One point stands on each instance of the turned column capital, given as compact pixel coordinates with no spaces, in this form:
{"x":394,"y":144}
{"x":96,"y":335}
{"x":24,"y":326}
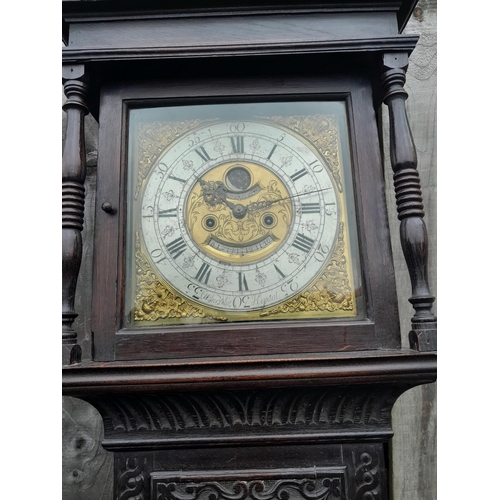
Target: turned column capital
{"x":394,"y":66}
{"x":75,"y":82}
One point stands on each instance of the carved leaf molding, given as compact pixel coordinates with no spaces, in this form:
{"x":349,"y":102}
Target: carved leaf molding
{"x":311,"y":408}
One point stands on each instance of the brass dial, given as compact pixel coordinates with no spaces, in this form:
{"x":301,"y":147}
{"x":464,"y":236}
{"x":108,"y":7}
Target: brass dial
{"x":240,"y":221}
{"x":239,"y":212}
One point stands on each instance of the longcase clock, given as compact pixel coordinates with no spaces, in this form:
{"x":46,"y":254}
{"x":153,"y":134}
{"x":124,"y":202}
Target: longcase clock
{"x":246,"y":339}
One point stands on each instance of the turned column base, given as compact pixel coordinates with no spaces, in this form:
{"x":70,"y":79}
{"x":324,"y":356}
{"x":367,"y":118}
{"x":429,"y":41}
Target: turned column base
{"x":71,"y":354}
{"x":423,"y":337}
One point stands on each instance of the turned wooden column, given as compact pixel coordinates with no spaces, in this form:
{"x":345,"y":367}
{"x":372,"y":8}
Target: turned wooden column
{"x":73,"y":200}
{"x":413,"y":233}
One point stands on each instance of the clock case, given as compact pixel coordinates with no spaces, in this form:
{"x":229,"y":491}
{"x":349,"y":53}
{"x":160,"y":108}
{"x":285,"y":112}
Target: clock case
{"x":275,"y":402}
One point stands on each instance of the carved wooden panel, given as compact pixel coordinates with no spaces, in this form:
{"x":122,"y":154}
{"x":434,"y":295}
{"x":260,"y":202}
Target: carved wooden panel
{"x":285,"y":484}
{"x":131,"y":475}
{"x":333,"y":472}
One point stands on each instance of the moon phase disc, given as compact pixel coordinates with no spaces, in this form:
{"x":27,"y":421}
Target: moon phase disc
{"x":238,"y":178}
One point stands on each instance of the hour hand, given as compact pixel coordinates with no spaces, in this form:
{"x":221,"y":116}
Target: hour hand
{"x":214,"y":192}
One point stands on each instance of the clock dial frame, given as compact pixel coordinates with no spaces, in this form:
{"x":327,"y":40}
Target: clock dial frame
{"x":375,"y":323}
{"x":269,"y":248}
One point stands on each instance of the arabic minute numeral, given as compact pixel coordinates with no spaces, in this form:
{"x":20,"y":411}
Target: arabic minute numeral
{"x":157,"y":255}
{"x":176,"y":247}
{"x":329,"y":211}
{"x":321,"y":252}
{"x":194,"y":140}
{"x":237,"y":127}
{"x":149,"y":212}
{"x":302,"y":242}
{"x":316,"y":166}
{"x":289,"y":287}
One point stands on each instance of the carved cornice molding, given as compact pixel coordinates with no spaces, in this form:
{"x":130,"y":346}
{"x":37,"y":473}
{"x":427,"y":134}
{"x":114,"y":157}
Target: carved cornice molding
{"x":148,"y":421}
{"x":403,"y":43}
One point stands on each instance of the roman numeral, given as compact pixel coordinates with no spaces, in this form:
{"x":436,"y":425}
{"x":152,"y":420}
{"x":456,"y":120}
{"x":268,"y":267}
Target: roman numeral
{"x":176,"y":247}
{"x":272,"y":151}
{"x":279,"y":272}
{"x":298,"y":175}
{"x":202,"y":153}
{"x":310,"y":208}
{"x":238,"y":144}
{"x":176,"y":178}
{"x":302,"y":242}
{"x":242,"y":282}
{"x":171,"y":212}
{"x":202,"y":273}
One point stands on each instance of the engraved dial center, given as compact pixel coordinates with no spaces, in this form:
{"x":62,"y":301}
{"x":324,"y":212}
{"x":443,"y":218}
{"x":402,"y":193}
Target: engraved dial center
{"x":239,"y":212}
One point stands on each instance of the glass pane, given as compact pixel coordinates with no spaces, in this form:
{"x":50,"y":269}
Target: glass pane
{"x":240,"y":212}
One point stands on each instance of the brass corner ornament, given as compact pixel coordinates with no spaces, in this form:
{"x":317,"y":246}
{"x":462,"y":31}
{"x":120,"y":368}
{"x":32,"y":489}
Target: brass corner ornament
{"x":155,"y":300}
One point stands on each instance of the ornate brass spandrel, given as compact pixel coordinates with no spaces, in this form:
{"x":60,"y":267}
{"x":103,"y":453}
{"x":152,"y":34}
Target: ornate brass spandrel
{"x":322,"y":131}
{"x":330,"y":292}
{"x":153,"y":138}
{"x":155,"y":300}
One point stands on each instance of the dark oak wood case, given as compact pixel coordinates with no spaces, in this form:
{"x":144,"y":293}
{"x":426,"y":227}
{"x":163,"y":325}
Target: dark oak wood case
{"x":274,"y":410}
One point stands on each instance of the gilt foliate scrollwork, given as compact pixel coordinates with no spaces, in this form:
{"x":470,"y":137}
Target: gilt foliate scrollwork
{"x":322,"y":131}
{"x":331,"y":291}
{"x":153,"y":138}
{"x":154,"y":300}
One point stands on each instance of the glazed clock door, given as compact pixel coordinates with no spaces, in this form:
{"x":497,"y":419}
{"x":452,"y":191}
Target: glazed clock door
{"x":241,"y":220}
{"x":238,"y":229}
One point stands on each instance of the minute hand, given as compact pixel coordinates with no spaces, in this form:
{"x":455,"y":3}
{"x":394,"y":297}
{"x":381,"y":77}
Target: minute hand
{"x":261,"y":205}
